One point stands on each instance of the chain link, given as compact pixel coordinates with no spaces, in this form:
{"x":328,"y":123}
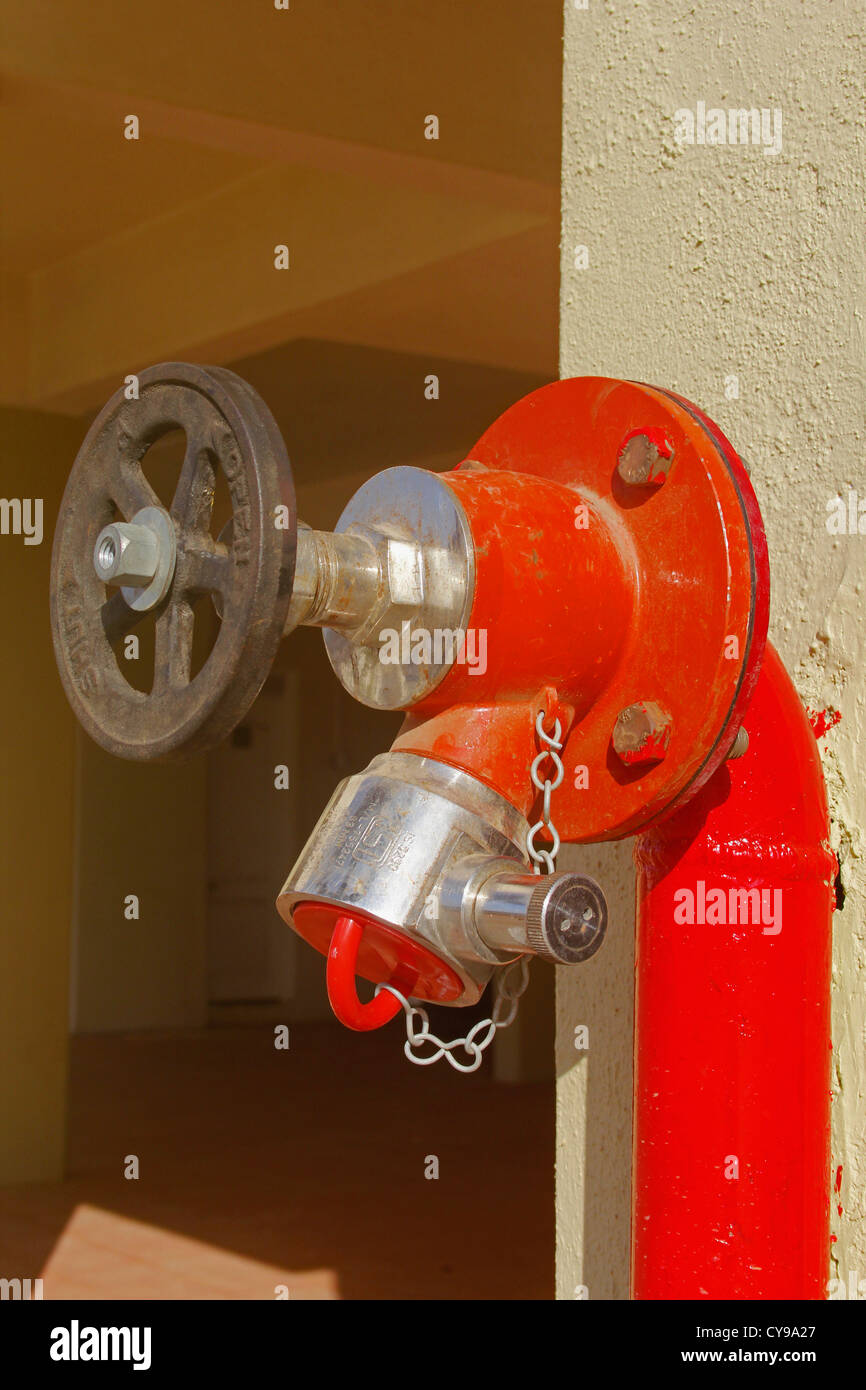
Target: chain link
{"x":510,"y":985}
{"x":546,"y":857}
{"x":511,"y":982}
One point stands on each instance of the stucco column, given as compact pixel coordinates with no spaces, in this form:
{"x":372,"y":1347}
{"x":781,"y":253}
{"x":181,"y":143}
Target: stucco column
{"x":722,"y":256}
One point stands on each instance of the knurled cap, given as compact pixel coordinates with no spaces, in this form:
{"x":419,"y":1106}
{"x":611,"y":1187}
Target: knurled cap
{"x":566,"y":919}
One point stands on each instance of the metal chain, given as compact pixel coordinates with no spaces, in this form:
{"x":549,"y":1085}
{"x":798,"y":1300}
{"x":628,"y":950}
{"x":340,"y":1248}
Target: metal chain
{"x":511,"y":982}
{"x":546,"y":857}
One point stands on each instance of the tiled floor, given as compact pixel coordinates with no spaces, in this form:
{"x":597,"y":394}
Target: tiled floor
{"x":303,"y":1168}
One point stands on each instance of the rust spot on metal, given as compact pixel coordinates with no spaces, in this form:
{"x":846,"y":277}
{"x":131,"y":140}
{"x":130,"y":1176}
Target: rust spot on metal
{"x":642,"y":733}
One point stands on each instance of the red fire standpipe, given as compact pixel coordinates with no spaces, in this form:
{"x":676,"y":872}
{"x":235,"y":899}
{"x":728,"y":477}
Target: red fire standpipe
{"x":732,"y":1024}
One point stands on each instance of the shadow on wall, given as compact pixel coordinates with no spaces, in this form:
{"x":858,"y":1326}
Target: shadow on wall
{"x":347,"y":411}
{"x":594,"y":1032}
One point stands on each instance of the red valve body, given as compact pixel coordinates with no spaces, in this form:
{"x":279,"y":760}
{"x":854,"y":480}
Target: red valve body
{"x":589,"y":596}
{"x":593,"y":595}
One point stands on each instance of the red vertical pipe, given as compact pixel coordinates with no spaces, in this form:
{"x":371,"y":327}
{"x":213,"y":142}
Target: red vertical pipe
{"x":732,"y":1024}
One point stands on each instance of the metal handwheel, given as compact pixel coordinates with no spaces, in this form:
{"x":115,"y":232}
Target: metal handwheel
{"x":120,"y":552}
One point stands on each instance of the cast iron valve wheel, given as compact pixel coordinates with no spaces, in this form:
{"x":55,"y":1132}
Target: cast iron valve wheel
{"x":120,"y":552}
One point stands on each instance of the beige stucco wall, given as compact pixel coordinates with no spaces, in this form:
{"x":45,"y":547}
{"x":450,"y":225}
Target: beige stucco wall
{"x":706,"y":263}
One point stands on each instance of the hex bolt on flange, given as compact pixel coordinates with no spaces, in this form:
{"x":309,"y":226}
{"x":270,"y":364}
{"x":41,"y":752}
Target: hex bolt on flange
{"x":740,"y":744}
{"x":642,"y":733}
{"x":645,"y":457}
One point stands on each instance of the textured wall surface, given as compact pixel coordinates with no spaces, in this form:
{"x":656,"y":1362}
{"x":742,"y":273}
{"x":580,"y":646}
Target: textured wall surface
{"x":736,"y":277}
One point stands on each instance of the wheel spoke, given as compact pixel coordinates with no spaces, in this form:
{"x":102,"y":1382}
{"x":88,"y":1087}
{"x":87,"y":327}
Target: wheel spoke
{"x":118,"y":618}
{"x":207,"y":567}
{"x":192,"y":503}
{"x":129,"y":489}
{"x":173,"y":653}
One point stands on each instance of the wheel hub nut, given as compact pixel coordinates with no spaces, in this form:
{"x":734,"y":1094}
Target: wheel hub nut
{"x":138,"y":557}
{"x":642,"y":733}
{"x":126,"y":554}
